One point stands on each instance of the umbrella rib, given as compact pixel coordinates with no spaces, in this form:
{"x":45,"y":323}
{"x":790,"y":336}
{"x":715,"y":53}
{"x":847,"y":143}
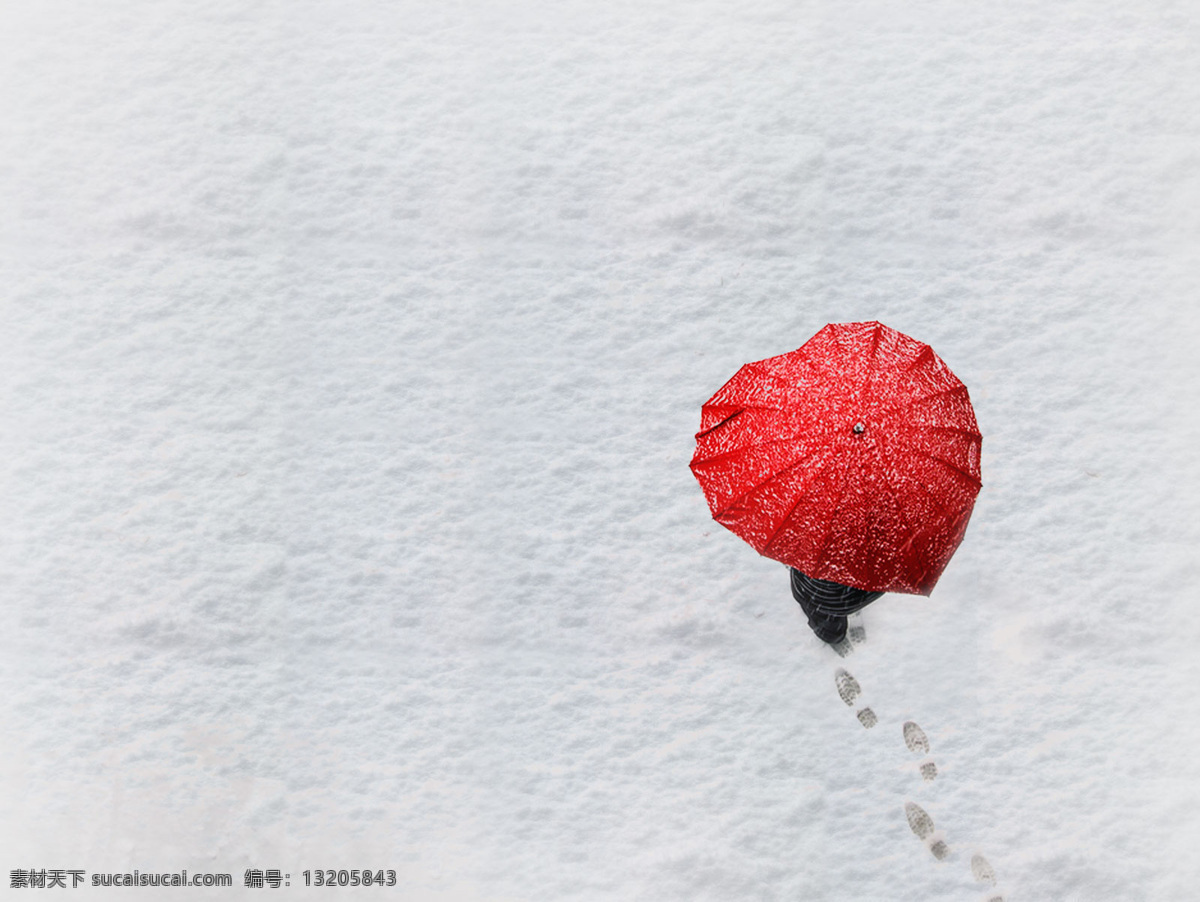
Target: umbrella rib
{"x":837,"y":509}
{"x":821,"y":364}
{"x":725,"y":454}
{"x":923,"y":428}
{"x":805,"y":430}
{"x":763,"y":374}
{"x":745,"y":407}
{"x":869,"y":393}
{"x":729,"y":419}
{"x":792,"y":510}
{"x":937,"y":502}
{"x":780,"y":381}
{"x":974,"y":480}
{"x":754,"y":488}
{"x":926,"y":353}
{"x":914,"y":403}
{"x":883,"y":472}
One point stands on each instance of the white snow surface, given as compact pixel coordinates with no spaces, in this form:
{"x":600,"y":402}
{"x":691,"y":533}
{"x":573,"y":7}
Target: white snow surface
{"x":352,"y":359}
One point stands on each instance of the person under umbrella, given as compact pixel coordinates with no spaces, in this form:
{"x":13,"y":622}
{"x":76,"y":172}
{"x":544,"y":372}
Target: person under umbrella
{"x":854,"y":460}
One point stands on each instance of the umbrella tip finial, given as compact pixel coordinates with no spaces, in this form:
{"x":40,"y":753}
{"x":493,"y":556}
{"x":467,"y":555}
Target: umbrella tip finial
{"x":858,"y":428}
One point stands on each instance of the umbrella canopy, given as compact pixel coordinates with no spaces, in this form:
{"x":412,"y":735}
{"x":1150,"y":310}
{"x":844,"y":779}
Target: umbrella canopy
{"x":853,"y":459}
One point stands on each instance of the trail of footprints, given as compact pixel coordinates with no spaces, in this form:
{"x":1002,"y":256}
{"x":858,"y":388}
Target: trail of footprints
{"x":849,"y":691}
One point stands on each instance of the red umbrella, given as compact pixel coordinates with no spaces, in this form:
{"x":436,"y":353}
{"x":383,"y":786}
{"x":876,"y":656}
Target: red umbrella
{"x":853,"y":459}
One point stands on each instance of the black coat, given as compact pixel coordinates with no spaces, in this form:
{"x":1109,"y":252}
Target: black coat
{"x":826,"y":604}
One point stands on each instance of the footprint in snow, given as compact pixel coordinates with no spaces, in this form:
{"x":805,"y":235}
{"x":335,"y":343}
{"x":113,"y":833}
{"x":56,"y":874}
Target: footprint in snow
{"x":981,"y":870}
{"x":915,"y":738}
{"x":922,"y":825}
{"x":917,"y":741}
{"x":848,"y":691}
{"x":856,"y":634}
{"x":919,"y":820}
{"x":847,"y":686}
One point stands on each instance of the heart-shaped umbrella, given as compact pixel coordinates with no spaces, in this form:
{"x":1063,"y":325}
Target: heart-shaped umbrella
{"x":854,"y":459}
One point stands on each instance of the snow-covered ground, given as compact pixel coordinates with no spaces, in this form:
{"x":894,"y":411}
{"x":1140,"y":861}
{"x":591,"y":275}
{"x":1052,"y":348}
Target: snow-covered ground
{"x":352,"y":356}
